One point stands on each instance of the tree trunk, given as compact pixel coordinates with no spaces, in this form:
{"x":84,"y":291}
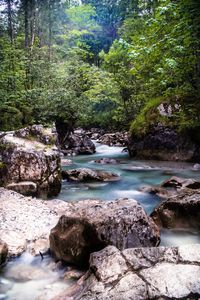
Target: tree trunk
{"x":26,"y":22}
{"x":10,"y":23}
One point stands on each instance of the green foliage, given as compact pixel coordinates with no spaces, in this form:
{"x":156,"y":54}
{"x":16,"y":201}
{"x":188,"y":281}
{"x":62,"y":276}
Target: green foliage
{"x":146,"y":118}
{"x":100,"y":63}
{"x":158,"y":56}
{"x":11,"y":118}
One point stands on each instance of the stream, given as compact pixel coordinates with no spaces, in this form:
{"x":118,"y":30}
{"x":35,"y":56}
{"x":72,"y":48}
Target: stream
{"x":30,"y":278}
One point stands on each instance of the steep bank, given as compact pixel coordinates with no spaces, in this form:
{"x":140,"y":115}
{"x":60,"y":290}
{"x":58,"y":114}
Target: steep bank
{"x":164,"y":143}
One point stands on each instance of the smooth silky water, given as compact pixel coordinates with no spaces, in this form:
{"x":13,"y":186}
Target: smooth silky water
{"x":29,"y":278}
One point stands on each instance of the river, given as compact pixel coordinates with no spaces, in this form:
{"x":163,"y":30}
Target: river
{"x":29,"y":278}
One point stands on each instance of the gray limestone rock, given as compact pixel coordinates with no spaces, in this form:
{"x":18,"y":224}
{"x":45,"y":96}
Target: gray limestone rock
{"x":85,"y":175}
{"x":92,"y":226}
{"x":26,"y":159}
{"x":141,"y":273}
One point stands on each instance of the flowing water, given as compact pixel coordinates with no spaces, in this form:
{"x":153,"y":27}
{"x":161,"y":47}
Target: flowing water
{"x":134,"y":175}
{"x":28,"y":278}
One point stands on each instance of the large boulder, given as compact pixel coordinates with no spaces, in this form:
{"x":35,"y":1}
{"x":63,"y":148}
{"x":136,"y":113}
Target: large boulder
{"x":25,"y":158}
{"x":85,"y":175}
{"x":141,"y":273}
{"x":179,"y":211}
{"x":76,"y":143}
{"x":92,"y":225}
{"x":163,"y":143}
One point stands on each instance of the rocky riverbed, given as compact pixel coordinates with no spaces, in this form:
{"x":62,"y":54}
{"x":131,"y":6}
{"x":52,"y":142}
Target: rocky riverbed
{"x":115,"y":242}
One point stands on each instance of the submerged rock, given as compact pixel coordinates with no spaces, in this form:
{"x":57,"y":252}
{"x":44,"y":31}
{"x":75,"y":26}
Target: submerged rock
{"x":27,"y":159}
{"x":140,"y":273}
{"x":162,"y":143}
{"x":92,"y":226}
{"x":84,"y":174}
{"x":179,"y":211}
{"x":107,"y":160}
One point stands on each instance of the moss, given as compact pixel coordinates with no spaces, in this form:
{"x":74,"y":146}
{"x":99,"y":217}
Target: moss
{"x":5,"y":146}
{"x":2,"y":165}
{"x":148,"y":116}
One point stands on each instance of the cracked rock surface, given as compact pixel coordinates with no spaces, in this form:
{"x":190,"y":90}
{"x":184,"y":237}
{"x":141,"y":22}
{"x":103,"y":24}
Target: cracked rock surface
{"x":92,"y":225}
{"x":27,"y":155}
{"x":141,"y":273}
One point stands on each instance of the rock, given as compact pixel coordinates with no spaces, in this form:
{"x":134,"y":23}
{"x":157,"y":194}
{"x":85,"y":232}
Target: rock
{"x":181,"y":183}
{"x":3,"y":252}
{"x":37,"y":133}
{"x":77,"y":143}
{"x":196,"y":167}
{"x":66,"y":162}
{"x":114,"y":139}
{"x":30,"y":160}
{"x":38,"y":247}
{"x":15,"y":241}
{"x":107,"y":160}
{"x":84,"y":174}
{"x":141,"y":273}
{"x":162,"y":143}
{"x":179,"y":211}
{"x":23,"y":272}
{"x":90,"y":226}
{"x":27,"y":220}
{"x":73,"y":274}
{"x":26,"y":188}
{"x":157,"y":190}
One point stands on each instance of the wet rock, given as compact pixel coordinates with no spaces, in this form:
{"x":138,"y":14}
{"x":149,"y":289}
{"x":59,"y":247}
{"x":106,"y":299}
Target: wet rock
{"x":23,"y":272}
{"x":114,"y":139}
{"x":92,"y":226}
{"x":107,"y":160}
{"x":196,"y":167}
{"x":157,"y":190}
{"x":3,"y":252}
{"x":26,"y":159}
{"x":15,"y":241}
{"x":162,"y":143}
{"x":179,"y":211}
{"x":141,"y":273}
{"x":39,"y":247}
{"x":181,"y":183}
{"x":77,"y":143}
{"x":84,"y":175}
{"x":26,"y":188}
{"x":73,"y":274}
{"x":66,"y":162}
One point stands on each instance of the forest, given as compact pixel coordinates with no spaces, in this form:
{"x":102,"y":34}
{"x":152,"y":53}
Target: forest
{"x":107,"y":64}
{"x":99,"y":149}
